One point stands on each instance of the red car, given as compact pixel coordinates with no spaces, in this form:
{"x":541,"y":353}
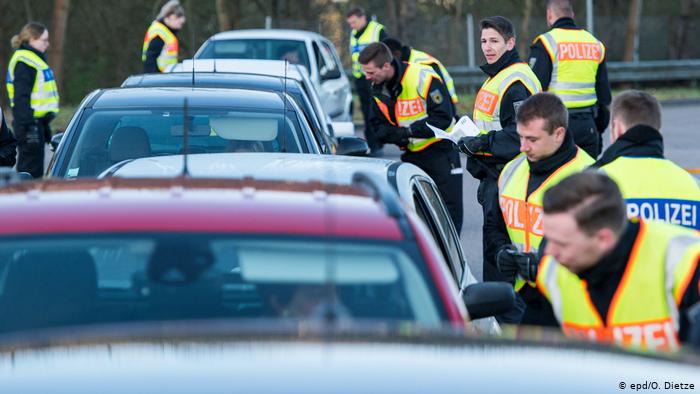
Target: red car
{"x":85,"y":252}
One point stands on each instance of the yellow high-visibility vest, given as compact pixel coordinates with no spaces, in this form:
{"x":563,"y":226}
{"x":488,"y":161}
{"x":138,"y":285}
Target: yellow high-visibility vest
{"x":663,"y":191}
{"x":44,"y":97}
{"x":644,"y":311}
{"x":168,"y":56}
{"x":487,"y":107}
{"x":523,"y":214}
{"x":575,"y":56}
{"x":411,"y":104}
{"x":370,"y":35}
{"x":421,"y":57}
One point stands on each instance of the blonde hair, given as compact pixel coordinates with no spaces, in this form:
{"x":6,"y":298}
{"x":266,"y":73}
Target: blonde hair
{"x":30,"y":31}
{"x":169,"y":8}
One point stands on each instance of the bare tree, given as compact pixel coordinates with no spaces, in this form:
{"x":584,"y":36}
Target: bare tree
{"x":680,"y":43}
{"x":525,"y":28}
{"x":632,"y":30}
{"x":224,"y":21}
{"x":407,"y":18}
{"x":58,"y":33}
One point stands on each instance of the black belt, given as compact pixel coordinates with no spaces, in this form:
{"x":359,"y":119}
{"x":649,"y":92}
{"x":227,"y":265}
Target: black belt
{"x":585,"y":110}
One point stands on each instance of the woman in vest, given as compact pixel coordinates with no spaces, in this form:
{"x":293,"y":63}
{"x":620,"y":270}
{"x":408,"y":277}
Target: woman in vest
{"x":33,"y":96}
{"x":160,"y":45}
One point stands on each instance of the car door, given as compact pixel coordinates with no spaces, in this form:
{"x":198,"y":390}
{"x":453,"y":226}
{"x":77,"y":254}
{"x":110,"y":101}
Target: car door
{"x":330,"y":80}
{"x":431,"y":209}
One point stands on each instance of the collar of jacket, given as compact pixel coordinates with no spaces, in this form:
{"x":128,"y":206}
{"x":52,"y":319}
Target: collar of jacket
{"x":30,"y":48}
{"x":565,"y":23}
{"x":616,"y":260}
{"x":638,"y":141}
{"x":405,"y":53}
{"x":162,"y":21}
{"x":508,"y":58}
{"x":359,"y":32}
{"x":393,"y":85}
{"x":566,"y":152}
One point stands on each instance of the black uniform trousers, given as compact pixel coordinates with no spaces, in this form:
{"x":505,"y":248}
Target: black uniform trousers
{"x":30,"y":147}
{"x":441,"y":162}
{"x":364,"y":91}
{"x":586,"y":135}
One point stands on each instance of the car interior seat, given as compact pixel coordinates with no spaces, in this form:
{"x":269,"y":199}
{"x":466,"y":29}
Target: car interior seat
{"x":128,"y":142}
{"x":48,"y":288}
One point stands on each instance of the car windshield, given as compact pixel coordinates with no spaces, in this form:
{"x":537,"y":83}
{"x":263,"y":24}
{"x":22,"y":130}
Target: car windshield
{"x":293,"y":51}
{"x":56,"y":281}
{"x":110,"y":136}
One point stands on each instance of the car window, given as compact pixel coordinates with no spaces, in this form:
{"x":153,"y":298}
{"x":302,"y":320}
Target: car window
{"x":110,"y":136}
{"x":330,"y":60}
{"x":294,"y":51}
{"x":84,"y":279}
{"x":320,"y":59}
{"x":431,"y":209}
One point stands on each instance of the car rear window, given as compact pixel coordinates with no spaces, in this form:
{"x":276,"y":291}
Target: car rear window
{"x":293,"y":51}
{"x":110,"y":136}
{"x":88,"y":279}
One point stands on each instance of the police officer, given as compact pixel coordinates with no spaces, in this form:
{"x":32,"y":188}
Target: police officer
{"x":548,"y":156}
{"x":404,"y":53}
{"x":570,"y":62}
{"x":407,"y":97}
{"x":510,"y":82}
{"x":8,"y":144}
{"x":363,"y":33}
{"x":653,"y":186}
{"x":160,"y":45}
{"x":33,"y":96}
{"x":612,"y":279}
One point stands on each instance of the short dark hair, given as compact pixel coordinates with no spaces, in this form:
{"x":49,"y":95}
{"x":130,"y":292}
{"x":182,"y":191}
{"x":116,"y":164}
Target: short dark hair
{"x":377,"y":53}
{"x":356,"y":11}
{"x":545,"y":106}
{"x":501,"y":24}
{"x":592,"y":197}
{"x":393,"y":43}
{"x":634,"y":107}
{"x":561,"y":8}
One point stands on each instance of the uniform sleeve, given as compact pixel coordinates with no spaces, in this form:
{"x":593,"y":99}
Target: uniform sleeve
{"x":495,"y":231}
{"x":690,"y":298}
{"x":24,"y":77}
{"x":155,"y":47}
{"x":602,"y":91}
{"x":8,"y":146}
{"x":541,"y":64}
{"x":504,"y":144}
{"x":440,"y":110}
{"x":383,"y":34}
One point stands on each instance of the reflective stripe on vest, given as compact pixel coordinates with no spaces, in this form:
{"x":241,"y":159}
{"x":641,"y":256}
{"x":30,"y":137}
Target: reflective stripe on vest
{"x":411,"y":104}
{"x":575,"y":56}
{"x":644,"y":310}
{"x":370,"y":35}
{"x":666,"y":191}
{"x":168,"y":56}
{"x":44,"y":97}
{"x":487,"y":106}
{"x":522,"y":214}
{"x":421,"y":57}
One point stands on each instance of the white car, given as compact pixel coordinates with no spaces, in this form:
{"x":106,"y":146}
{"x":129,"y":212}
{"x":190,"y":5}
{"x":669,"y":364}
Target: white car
{"x":415,"y":188}
{"x":306,"y":48}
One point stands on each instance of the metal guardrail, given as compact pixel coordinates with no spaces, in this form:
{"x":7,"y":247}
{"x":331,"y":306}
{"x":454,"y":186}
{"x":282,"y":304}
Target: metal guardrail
{"x":644,"y":71}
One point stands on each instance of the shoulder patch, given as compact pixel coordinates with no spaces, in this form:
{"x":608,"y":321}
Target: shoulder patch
{"x":436,"y":96}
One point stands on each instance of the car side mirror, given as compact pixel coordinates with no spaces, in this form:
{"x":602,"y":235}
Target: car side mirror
{"x":327,"y":73}
{"x":55,"y":140}
{"x":488,"y":299}
{"x":352,"y":146}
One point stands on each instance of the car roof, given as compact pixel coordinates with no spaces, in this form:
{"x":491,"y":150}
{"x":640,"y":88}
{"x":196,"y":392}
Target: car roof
{"x":196,"y":96}
{"x":333,"y":169}
{"x":214,"y":80}
{"x":275,"y":68}
{"x":281,"y":34}
{"x":194,"y":205}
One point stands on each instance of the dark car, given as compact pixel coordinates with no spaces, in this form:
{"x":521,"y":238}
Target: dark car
{"x":114,"y":125}
{"x":314,"y":114}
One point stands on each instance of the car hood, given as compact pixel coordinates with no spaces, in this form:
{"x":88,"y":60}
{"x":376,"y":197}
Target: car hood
{"x":332,"y":363}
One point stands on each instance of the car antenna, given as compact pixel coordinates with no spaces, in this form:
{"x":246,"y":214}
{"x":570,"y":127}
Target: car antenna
{"x":185,"y":139}
{"x":213,"y":39}
{"x":284,"y":114}
{"x":192,"y":57}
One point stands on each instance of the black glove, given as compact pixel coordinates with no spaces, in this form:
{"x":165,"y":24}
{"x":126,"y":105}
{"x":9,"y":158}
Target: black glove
{"x":602,"y":118}
{"x":49,"y":117}
{"x":511,"y":263}
{"x":472,"y":145}
{"x":395,"y":135}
